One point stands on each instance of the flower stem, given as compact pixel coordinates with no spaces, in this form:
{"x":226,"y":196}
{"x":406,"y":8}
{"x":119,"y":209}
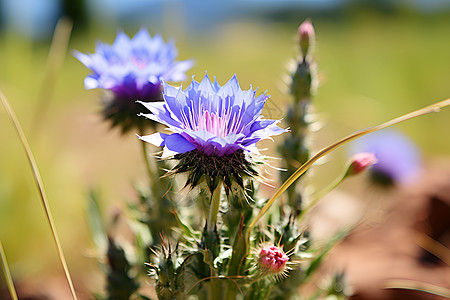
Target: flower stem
{"x":215,"y":290}
{"x":214,"y":207}
{"x":151,"y":167}
{"x":435,"y":107}
{"x":318,"y":197}
{"x":148,"y":164}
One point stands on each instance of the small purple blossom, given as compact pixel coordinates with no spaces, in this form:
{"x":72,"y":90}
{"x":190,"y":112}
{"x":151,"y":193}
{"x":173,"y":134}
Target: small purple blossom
{"x":132,"y":68}
{"x":398,"y":158}
{"x":213,"y":119}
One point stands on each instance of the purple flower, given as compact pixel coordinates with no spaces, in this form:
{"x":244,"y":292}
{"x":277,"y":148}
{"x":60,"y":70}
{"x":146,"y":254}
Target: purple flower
{"x":398,"y":158}
{"x":131,"y":69}
{"x":213,"y":129}
{"x":209,"y":118}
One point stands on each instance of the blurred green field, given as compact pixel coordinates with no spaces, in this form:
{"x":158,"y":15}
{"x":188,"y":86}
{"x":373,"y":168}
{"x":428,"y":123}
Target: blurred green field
{"x":372,"y":68}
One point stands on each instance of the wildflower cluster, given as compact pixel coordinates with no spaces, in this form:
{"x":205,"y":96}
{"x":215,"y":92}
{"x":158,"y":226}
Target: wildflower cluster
{"x":210,"y":136}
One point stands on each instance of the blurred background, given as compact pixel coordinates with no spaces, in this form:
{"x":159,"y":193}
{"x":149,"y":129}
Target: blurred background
{"x":376,"y":61}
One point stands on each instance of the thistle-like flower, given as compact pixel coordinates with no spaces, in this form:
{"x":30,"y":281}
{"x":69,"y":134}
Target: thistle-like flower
{"x":273,"y":261}
{"x":213,"y":129}
{"x":131,"y":69}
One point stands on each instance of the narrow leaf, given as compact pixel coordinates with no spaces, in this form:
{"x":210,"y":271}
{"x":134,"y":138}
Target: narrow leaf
{"x":7,"y":273}
{"x":40,"y":187}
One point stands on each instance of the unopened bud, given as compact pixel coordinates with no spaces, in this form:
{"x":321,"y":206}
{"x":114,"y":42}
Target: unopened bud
{"x":307,"y":36}
{"x":272,"y":260}
{"x":360,"y":162}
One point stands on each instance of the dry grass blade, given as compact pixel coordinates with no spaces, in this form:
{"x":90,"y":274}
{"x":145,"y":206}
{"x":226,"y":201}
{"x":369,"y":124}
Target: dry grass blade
{"x":434,"y":247}
{"x":40,"y":186}
{"x":418,"y":286}
{"x":300,"y":171}
{"x":7,"y":273}
{"x":56,"y":55}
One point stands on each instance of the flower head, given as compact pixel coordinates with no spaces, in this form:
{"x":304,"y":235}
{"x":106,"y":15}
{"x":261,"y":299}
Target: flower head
{"x":272,"y":260}
{"x":398,"y":159}
{"x":360,"y":162}
{"x":212,"y":127}
{"x":131,"y":69}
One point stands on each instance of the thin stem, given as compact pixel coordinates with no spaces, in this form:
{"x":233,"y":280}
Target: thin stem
{"x":40,"y":186}
{"x":214,"y":207}
{"x":417,"y":286}
{"x":300,"y":171}
{"x":149,"y":165}
{"x":318,"y":197}
{"x":7,"y":273}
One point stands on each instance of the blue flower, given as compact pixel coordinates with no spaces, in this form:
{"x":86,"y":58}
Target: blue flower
{"x":398,"y":158}
{"x":212,"y":119}
{"x":132,"y":69}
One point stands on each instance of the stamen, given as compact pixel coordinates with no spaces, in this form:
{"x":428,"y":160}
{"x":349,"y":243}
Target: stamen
{"x":213,"y":123}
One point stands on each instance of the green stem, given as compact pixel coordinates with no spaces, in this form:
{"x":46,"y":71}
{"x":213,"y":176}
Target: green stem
{"x":231,"y":292}
{"x":151,"y":166}
{"x":214,"y":207}
{"x":433,"y":108}
{"x":7,"y":273}
{"x":215,"y":286}
{"x":215,"y":289}
{"x":318,"y":197}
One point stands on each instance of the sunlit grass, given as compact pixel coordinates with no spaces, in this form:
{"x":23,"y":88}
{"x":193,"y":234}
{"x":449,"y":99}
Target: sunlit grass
{"x":42,"y":194}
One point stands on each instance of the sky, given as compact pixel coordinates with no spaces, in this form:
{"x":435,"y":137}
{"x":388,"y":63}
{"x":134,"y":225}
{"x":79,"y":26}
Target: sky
{"x":36,"y":19}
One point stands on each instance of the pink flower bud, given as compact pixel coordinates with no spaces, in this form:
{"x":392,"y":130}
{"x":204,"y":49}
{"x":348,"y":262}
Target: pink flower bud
{"x":360,"y":162}
{"x":272,"y":260}
{"x":307,"y":36}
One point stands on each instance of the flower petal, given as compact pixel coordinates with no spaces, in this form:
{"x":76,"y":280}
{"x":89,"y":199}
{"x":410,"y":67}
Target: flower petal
{"x":176,"y":142}
{"x":213,"y":119}
{"x":157,"y":139}
{"x":91,"y":82}
{"x":142,"y":59}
